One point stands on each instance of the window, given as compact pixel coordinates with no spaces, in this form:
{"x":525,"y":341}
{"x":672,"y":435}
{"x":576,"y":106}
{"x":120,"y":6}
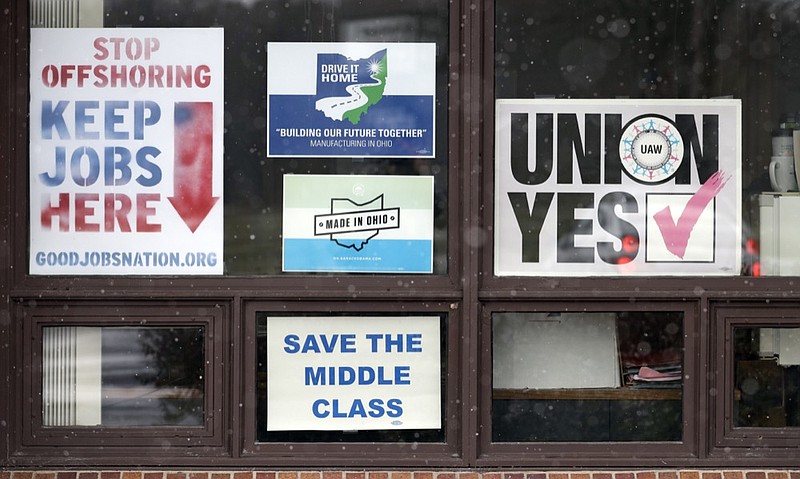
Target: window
{"x":756,"y":381}
{"x":569,"y":379}
{"x":587,"y":377}
{"x":122,"y":376}
{"x":127,"y":375}
{"x":365,"y":376}
{"x":592,"y":318}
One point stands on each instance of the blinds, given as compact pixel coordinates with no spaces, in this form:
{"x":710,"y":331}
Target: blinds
{"x":66,"y":13}
{"x":54,"y":13}
{"x":71,"y":376}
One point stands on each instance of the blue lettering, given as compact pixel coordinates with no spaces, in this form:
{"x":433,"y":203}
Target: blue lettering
{"x":336,"y":411}
{"x":357,"y":409}
{"x":395,"y":407}
{"x":292,"y":346}
{"x":140,"y":120}
{"x":402,"y":375}
{"x":347,"y":376}
{"x":82,"y":118}
{"x":314,"y":376}
{"x":376,"y":408}
{"x":94,"y":166}
{"x":112,"y":166}
{"x":414,"y":343}
{"x":61,"y":169}
{"x":54,"y":118}
{"x":316,"y":408}
{"x":112,"y":119}
{"x":155,"y":171}
{"x":310,"y":344}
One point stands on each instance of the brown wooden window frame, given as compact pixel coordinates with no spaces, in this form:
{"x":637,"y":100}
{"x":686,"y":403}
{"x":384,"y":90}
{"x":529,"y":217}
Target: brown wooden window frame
{"x":729,"y":441}
{"x":446,"y":453}
{"x":149,"y":442}
{"x":591,"y":453}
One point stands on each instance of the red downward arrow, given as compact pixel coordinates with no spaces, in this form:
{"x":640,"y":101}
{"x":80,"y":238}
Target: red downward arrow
{"x":193,"y":173}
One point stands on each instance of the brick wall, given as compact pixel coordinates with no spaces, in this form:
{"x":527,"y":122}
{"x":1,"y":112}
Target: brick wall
{"x":646,"y":474}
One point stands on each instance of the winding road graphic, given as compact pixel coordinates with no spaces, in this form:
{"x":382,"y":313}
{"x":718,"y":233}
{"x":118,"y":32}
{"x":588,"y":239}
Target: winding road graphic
{"x":336,"y":107}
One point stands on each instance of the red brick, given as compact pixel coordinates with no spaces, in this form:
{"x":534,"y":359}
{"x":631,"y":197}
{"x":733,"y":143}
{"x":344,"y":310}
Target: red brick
{"x":667,"y":475}
{"x":242,"y":475}
{"x":393,"y":475}
{"x":446,"y":475}
{"x":778,"y":475}
{"x":110,"y":475}
{"x":689,"y":475}
{"x":131,"y":475}
{"x":625,"y":475}
{"x":424,"y":475}
{"x":332,"y":475}
{"x":153,"y":475}
{"x":60,"y":475}
{"x":602,"y":475}
{"x":511,"y":475}
{"x":580,"y":475}
{"x":174,"y":475}
{"x":22,"y":475}
{"x":363,"y":475}
{"x":308,"y":475}
{"x":712,"y":475}
{"x":536,"y":475}
{"x":265,"y":475}
{"x":41,"y":475}
{"x":378,"y":475}
{"x":287,"y":475}
{"x":88,"y":475}
{"x":646,"y":475}
{"x":754,"y":475}
{"x":469,"y":475}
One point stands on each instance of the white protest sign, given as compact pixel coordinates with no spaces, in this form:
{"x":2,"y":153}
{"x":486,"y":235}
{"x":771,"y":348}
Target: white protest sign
{"x":126,"y":151}
{"x":353,"y":373}
{"x":617,"y":187}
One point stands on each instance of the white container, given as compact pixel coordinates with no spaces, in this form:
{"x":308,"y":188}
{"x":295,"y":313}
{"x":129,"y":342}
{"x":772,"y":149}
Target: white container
{"x":779,"y":234}
{"x":782,"y":175}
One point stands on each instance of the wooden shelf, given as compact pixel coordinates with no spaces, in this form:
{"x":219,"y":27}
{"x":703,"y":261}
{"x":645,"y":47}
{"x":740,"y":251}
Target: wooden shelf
{"x":630,"y":394}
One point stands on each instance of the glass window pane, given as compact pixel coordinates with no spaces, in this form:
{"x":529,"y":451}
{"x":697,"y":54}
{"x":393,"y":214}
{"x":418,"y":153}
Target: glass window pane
{"x":121,"y":376}
{"x":587,"y":377}
{"x":676,"y":50}
{"x":253,"y":183}
{"x":766,"y":377}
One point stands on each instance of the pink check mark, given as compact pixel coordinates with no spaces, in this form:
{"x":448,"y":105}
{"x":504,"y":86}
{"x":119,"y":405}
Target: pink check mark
{"x":676,"y":233}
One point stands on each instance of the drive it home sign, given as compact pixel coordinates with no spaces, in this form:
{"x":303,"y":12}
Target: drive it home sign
{"x":617,"y":187}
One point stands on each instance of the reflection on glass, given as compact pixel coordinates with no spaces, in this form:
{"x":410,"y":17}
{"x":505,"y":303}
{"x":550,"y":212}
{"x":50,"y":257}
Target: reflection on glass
{"x":253,"y":183}
{"x":120,"y":376}
{"x":766,"y":377}
{"x":587,"y":376}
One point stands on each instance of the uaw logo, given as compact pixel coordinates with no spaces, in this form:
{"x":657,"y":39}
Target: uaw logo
{"x":347,"y":88}
{"x":651,"y":148}
{"x":352,"y":225}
